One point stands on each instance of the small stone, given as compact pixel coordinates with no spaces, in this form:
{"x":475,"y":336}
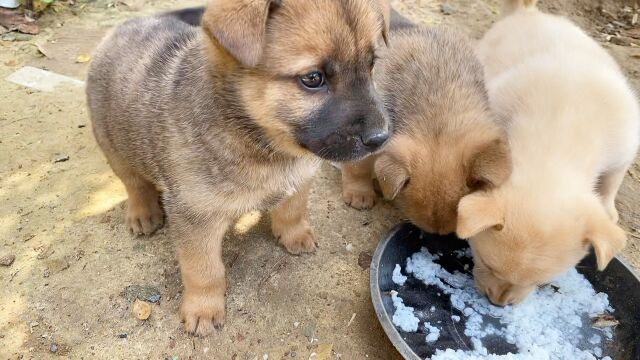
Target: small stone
{"x":310,"y":331}
{"x":82,"y":126}
{"x":7,"y":260}
{"x":145,"y":293}
{"x":53,"y":348}
{"x":123,"y":335}
{"x":14,"y":36}
{"x":447,"y":9}
{"x":141,"y":309}
{"x":57,"y":265}
{"x":349,"y":247}
{"x":620,"y":40}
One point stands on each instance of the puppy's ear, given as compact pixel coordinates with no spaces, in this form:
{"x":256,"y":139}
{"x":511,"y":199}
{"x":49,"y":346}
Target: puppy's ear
{"x":607,"y":238}
{"x":239,"y":26}
{"x":478,"y":212}
{"x":491,"y":166}
{"x":392,"y":174}
{"x":385,"y":13}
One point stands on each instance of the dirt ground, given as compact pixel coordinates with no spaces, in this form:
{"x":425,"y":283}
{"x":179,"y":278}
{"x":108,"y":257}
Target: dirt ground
{"x":65,"y":295}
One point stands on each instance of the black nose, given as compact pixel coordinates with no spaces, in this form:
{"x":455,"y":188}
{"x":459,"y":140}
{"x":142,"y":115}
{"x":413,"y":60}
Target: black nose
{"x":375,"y":139}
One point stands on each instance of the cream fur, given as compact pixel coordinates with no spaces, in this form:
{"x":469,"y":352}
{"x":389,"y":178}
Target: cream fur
{"x":573,"y":124}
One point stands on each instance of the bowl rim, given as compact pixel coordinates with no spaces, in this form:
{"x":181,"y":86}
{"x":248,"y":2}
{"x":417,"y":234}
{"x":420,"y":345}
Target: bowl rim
{"x":376,"y":295}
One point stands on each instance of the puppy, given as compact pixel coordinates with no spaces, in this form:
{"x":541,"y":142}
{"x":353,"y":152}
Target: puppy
{"x":573,"y":129}
{"x":232,"y":116}
{"x":445,"y":142}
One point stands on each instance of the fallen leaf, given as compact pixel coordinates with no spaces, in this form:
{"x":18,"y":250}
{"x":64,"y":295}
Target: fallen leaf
{"x":604,"y":321}
{"x":42,"y":49}
{"x":83,"y":58}
{"x":28,"y":28}
{"x":364,"y":260}
{"x":323,"y":352}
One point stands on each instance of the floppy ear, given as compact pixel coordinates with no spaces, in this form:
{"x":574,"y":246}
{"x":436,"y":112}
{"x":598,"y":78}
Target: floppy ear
{"x":606,"y":237}
{"x":478,"y":212}
{"x":491,"y":166}
{"x":239,"y":26}
{"x":385,"y":12}
{"x":392,"y":175}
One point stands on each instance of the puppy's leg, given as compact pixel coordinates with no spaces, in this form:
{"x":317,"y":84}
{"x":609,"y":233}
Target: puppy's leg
{"x":144,"y":215}
{"x":357,"y":183}
{"x":203,"y":273}
{"x":608,"y":188}
{"x":289,"y":223}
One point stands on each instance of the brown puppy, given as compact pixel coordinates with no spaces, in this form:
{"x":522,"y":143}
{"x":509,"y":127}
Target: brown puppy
{"x":234,"y":116}
{"x":445,"y":143}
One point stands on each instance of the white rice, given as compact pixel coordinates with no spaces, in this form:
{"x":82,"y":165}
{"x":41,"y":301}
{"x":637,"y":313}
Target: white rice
{"x":403,"y":316}
{"x":433,"y":332}
{"x":546,"y":325}
{"x":397,"y":276}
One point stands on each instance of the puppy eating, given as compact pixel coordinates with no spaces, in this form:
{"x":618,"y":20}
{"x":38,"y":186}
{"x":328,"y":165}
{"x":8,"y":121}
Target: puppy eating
{"x":573,"y":125}
{"x":233,"y":116}
{"x":445,"y":143}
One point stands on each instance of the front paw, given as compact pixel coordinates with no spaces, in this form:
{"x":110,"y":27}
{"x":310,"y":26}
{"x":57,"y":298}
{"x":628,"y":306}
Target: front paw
{"x":144,"y":218}
{"x":360,"y":199}
{"x":202,"y":311}
{"x":297,"y":239}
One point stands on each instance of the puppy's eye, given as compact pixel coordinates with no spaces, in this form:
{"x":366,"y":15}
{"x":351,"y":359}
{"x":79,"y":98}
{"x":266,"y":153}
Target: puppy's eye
{"x":313,"y":80}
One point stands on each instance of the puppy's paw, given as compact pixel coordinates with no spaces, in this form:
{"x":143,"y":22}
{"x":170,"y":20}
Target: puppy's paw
{"x":358,"y":198}
{"x":297,"y":239}
{"x":202,"y":312}
{"x":145,"y":218}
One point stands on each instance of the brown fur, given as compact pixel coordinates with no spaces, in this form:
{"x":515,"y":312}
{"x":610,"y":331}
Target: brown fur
{"x":212,"y":122}
{"x":445,"y":143}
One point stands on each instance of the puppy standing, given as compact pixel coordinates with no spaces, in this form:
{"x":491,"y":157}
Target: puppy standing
{"x":445,"y":143}
{"x":234,"y":116}
{"x":574,"y":130}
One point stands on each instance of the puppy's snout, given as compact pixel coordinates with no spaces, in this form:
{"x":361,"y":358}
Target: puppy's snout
{"x":375,"y":139}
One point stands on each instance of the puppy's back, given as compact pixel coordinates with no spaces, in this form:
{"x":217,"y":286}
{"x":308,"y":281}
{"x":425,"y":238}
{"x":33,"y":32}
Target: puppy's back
{"x":431,"y":74}
{"x":562,"y":90}
{"x":132,"y":82}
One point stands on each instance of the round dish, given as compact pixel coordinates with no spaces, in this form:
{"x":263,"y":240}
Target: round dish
{"x":618,"y":280}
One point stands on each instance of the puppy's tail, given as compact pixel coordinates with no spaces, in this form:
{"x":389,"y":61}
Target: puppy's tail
{"x":510,"y":6}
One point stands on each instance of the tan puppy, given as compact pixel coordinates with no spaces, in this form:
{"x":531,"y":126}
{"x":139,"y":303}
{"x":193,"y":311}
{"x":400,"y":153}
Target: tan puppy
{"x":445,"y":143}
{"x":573,"y":133}
{"x":234,"y":116}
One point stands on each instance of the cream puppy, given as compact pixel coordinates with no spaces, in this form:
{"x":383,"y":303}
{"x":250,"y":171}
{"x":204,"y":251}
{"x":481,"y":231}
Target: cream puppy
{"x":573,"y":129}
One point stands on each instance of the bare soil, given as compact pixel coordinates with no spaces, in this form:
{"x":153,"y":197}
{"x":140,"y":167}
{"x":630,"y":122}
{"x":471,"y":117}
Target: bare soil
{"x":64,"y":295}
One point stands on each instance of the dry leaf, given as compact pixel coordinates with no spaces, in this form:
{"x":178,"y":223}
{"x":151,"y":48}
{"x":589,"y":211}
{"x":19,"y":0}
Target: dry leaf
{"x":604,"y":321}
{"x":83,"y":58}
